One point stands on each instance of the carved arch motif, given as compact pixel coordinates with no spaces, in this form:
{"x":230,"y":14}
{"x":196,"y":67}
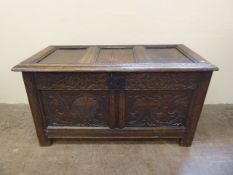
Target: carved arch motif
{"x":79,"y":109}
{"x":156,"y":109}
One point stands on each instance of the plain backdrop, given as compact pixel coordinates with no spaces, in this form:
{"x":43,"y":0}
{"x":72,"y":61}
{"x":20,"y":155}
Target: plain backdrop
{"x":27,"y":26}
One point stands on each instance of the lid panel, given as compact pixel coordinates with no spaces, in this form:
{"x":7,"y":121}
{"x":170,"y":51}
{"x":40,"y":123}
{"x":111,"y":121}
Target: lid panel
{"x":115,"y":56}
{"x":64,"y":56}
{"x":166,"y":55}
{"x":97,"y":55}
{"x":126,"y":58}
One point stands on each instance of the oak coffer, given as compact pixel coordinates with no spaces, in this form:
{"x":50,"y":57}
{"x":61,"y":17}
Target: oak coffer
{"x":116,"y":92}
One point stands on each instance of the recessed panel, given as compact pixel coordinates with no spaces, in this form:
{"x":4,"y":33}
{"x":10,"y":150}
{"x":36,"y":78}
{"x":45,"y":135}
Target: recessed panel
{"x":156,"y":108}
{"x":166,"y":55}
{"x":64,"y":56}
{"x":76,"y":108}
{"x":115,"y":56}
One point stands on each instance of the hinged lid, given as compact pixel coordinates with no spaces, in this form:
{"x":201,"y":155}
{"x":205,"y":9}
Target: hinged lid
{"x":147,"y":58}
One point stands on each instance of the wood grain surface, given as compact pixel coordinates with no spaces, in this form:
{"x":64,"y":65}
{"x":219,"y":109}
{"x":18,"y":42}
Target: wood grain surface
{"x":146,"y":58}
{"x":116,"y":92}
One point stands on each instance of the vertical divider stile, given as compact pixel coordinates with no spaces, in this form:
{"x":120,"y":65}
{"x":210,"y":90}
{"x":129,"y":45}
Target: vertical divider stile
{"x":121,"y":109}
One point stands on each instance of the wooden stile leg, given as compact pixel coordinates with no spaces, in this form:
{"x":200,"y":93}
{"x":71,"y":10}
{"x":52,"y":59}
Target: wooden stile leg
{"x":196,"y":108}
{"x":35,"y":104}
{"x":185,"y":142}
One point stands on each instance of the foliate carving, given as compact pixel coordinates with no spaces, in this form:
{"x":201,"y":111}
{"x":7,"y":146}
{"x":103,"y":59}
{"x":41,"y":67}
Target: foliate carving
{"x":165,"y":81}
{"x":156,"y":109}
{"x":131,"y":81}
{"x":83,"y":109}
{"x":162,"y":84}
{"x":47,"y":81}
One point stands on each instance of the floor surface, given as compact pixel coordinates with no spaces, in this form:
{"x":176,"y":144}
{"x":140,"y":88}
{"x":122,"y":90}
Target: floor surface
{"x":211,"y":153}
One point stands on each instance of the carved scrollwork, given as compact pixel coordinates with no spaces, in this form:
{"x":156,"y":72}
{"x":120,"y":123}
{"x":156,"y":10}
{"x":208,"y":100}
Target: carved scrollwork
{"x":131,"y":81}
{"x":162,"y":84}
{"x":47,"y":81}
{"x":71,"y":109}
{"x":163,"y":81}
{"x":157,"y":109}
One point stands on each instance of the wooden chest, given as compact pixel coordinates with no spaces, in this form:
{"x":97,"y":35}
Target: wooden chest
{"x":116,"y":92}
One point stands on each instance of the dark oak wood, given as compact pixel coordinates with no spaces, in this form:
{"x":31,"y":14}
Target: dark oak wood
{"x":148,"y":58}
{"x":195,"y":109}
{"x":98,"y":133}
{"x":36,"y":109}
{"x":116,"y":92}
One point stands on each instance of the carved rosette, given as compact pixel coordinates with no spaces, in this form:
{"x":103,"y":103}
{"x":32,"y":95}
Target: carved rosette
{"x":157,"y":109}
{"x":84,"y":109}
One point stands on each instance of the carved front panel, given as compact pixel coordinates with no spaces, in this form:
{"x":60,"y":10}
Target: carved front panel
{"x":156,"y":108}
{"x":163,"y":81}
{"x":76,"y":108}
{"x":64,"y":81}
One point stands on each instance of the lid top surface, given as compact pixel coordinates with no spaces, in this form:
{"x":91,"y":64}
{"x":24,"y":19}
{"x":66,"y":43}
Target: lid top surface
{"x":115,"y":58}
